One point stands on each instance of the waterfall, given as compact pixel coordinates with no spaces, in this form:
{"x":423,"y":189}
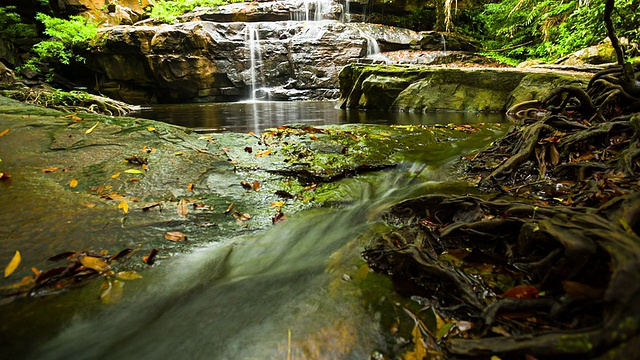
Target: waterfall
{"x":443,"y":40}
{"x":318,"y":7}
{"x":252,"y":37}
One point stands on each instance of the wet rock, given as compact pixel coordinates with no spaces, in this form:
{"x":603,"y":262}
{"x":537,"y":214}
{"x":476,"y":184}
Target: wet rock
{"x":420,"y":88}
{"x":433,"y":40}
{"x":202,"y":60}
{"x":593,"y":55}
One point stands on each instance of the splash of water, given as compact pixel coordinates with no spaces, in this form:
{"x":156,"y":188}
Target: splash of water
{"x":311,"y":10}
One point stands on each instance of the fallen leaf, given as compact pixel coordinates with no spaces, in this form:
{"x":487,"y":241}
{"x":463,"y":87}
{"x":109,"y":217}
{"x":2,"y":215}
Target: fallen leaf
{"x":94,"y":263}
{"x":255,"y":185}
{"x":263,"y":153}
{"x":111,"y":291}
{"x":175,"y":236}
{"x":4,"y":175}
{"x":245,"y":184}
{"x":128,"y":275}
{"x":76,"y":118}
{"x":4,"y":132}
{"x":120,"y":254}
{"x":90,"y":130}
{"x":49,"y":169}
{"x":151,"y":205}
{"x":124,"y":206}
{"x":277,"y":204}
{"x":134,"y":171}
{"x":134,"y":179}
{"x":521,"y":292}
{"x":190,"y":187}
{"x":13,"y":264}
{"x":248,"y":149}
{"x":73,"y":183}
{"x":182,"y":208}
{"x":64,"y":255}
{"x":145,"y":167}
{"x":151,"y":257}
{"x":150,"y":128}
{"x":178,"y":153}
{"x":115,"y":176}
{"x":229,"y":208}
{"x":420,"y":351}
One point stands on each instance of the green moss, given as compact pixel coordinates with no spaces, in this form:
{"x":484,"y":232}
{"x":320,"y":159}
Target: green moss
{"x":579,"y":343}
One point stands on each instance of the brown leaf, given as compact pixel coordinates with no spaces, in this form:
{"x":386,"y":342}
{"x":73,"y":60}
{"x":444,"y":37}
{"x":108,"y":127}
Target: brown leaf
{"x":554,"y":155}
{"x":13,"y":264}
{"x":521,"y":292}
{"x":151,"y":257}
{"x":49,"y":169}
{"x":248,"y":149}
{"x":4,"y":175}
{"x":245,"y":184}
{"x":229,"y":208}
{"x":94,"y":263}
{"x":255,"y":185}
{"x":263,"y":153}
{"x":120,"y":254}
{"x":580,"y":292}
{"x":182,"y":208}
{"x":175,"y":236}
{"x":151,"y":205}
{"x":190,"y":187}
{"x":64,"y":255}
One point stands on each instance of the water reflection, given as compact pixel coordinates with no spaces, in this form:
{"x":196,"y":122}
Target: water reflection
{"x":257,"y":116}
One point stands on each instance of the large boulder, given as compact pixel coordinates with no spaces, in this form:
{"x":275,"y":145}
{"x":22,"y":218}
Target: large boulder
{"x":422,"y":89}
{"x":208,"y":61}
{"x":593,"y":55}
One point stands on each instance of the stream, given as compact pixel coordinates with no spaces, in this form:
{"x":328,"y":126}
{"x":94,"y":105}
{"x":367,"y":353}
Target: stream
{"x":296,"y":291}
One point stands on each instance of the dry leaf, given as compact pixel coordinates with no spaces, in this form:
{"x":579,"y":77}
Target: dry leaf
{"x":90,"y":130}
{"x":182,"y":208}
{"x":114,"y":176}
{"x":190,"y":187}
{"x":124,"y":206}
{"x":554,"y":155}
{"x":73,"y":183}
{"x":76,"y":118}
{"x":133,"y":179}
{"x":13,"y":264}
{"x":175,"y":236}
{"x":255,"y":185}
{"x":263,"y":153}
{"x":4,"y":132}
{"x":49,"y":169}
{"x":151,"y":257}
{"x":128,"y":275}
{"x":229,"y":208}
{"x":94,"y":263}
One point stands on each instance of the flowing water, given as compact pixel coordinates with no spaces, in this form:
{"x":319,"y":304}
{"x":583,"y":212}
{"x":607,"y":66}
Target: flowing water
{"x":296,"y":291}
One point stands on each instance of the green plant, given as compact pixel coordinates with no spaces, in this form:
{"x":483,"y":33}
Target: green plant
{"x":549,"y":29}
{"x":167,"y":11}
{"x":67,"y":38}
{"x":11,"y":26}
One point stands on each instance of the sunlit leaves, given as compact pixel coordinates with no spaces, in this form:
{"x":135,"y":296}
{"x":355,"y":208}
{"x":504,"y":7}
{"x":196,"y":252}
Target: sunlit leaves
{"x":94,"y":263}
{"x":124,"y":206}
{"x":90,"y":130}
{"x":73,"y":183}
{"x":13,"y":264}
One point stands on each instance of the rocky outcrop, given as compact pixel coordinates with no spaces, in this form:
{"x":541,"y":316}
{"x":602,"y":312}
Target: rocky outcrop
{"x":422,"y":89}
{"x":602,"y":53}
{"x":105,"y":12}
{"x":210,"y":61}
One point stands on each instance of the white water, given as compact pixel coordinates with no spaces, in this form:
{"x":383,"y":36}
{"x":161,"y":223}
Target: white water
{"x":240,"y":300}
{"x":252,"y":37}
{"x":444,"y":42}
{"x":311,"y":10}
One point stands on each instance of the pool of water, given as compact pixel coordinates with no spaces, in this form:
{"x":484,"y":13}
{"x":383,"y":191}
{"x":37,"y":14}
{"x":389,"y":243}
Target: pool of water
{"x":257,"y":116}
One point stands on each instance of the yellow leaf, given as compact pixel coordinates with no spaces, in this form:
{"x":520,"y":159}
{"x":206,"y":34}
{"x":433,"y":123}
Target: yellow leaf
{"x":128,"y":275}
{"x":4,"y":132}
{"x":115,"y":175}
{"x":91,"y":128}
{"x":124,"y":206}
{"x":134,"y":171}
{"x":263,"y":153}
{"x":73,"y":183}
{"x":277,"y":204}
{"x":421,"y":351}
{"x":190,"y":187}
{"x":94,"y":263}
{"x":150,"y":128}
{"x":13,"y":264}
{"x":49,"y":169}
{"x":178,"y":153}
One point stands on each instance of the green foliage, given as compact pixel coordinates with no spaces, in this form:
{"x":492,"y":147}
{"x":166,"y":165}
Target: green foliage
{"x":11,"y":26}
{"x":167,"y":11}
{"x":67,"y":36}
{"x":549,"y":29}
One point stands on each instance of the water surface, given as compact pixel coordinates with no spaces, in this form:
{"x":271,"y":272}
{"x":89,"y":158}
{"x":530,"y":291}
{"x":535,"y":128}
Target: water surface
{"x":257,"y":116}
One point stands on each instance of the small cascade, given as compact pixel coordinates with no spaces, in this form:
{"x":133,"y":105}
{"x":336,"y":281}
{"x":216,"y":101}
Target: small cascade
{"x":444,"y":42}
{"x":346,"y":14}
{"x":252,"y":37}
{"x":373,"y":49}
{"x":311,"y":10}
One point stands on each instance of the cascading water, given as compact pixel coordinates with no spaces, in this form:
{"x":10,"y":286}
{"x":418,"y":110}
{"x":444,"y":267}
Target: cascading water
{"x":444,"y":42}
{"x":319,"y":8}
{"x":261,"y":297}
{"x":252,"y":37}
